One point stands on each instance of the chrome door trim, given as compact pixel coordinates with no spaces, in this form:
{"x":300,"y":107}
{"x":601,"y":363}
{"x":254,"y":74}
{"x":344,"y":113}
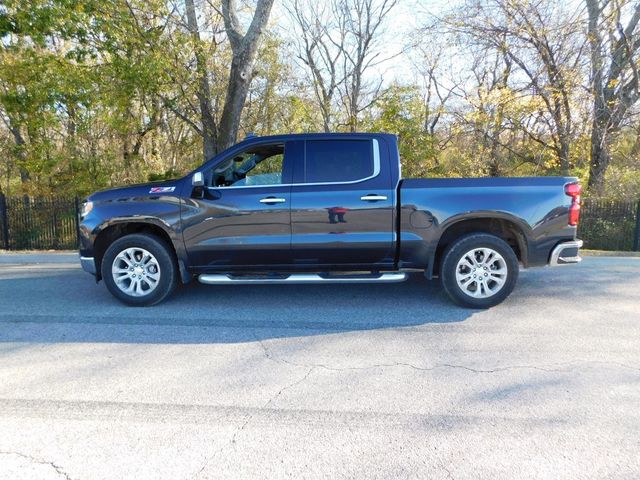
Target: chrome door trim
{"x":376,"y":172}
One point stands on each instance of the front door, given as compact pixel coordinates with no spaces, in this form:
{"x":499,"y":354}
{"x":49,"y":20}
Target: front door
{"x":241,"y":218}
{"x":342,"y":205}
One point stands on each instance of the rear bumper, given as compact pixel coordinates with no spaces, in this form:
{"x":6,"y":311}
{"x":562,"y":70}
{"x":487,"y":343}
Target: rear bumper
{"x":88,"y":264}
{"x":566,"y":252}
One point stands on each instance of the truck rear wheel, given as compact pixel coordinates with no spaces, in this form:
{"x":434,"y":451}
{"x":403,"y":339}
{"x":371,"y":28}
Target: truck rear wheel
{"x":139,"y":270}
{"x":479,"y":270}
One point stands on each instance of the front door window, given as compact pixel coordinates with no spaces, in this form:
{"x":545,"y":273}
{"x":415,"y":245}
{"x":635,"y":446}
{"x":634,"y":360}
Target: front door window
{"x":258,"y":166}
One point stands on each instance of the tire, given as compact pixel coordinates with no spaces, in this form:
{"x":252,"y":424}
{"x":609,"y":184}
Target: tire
{"x":479,"y":270}
{"x":147,"y":258}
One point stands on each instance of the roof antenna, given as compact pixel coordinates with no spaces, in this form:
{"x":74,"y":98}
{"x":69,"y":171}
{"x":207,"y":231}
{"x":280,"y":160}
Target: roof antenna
{"x":250,"y":135}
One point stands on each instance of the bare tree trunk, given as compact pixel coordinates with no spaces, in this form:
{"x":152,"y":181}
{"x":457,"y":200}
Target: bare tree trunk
{"x":600,"y":157}
{"x":354,"y":98}
{"x":245,"y":49}
{"x":239,"y":81}
{"x":207,"y":118}
{"x":21,"y":144}
{"x":564,"y":148}
{"x":126,"y":152}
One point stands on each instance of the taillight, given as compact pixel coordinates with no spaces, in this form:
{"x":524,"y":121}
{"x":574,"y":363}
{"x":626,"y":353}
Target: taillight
{"x":574,"y":190}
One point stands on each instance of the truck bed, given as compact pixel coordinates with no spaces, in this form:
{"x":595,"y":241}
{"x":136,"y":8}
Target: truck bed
{"x":535,"y":206}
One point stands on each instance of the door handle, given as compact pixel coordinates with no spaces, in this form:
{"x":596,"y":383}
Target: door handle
{"x":272,"y":200}
{"x":373,"y":198}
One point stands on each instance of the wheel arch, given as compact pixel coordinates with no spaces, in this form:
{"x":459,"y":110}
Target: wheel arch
{"x":510,"y":229}
{"x":112,"y":232}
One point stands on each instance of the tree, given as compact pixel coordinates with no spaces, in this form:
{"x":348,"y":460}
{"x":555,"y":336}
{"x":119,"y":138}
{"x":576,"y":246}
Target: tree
{"x":364,"y":21}
{"x":321,"y":38}
{"x":219,"y":135}
{"x":615,"y":54}
{"x":541,"y":39}
{"x":340,"y":43}
{"x":244,"y":47}
{"x":98,"y":93}
{"x":491,"y":116}
{"x":438,"y":87}
{"x":400,"y":110}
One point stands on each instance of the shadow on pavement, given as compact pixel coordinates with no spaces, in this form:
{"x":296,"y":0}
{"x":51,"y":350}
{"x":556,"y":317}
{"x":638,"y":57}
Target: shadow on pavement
{"x":65,"y":305}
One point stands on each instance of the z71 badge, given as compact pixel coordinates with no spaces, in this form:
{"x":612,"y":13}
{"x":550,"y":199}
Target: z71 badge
{"x":162,"y":189}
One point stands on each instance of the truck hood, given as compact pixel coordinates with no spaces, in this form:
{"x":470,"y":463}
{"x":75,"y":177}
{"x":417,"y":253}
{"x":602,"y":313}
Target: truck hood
{"x":165,"y":187}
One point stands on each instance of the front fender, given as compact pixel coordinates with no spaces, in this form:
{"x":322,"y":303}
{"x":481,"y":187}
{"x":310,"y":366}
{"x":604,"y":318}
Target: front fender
{"x":160,"y":214}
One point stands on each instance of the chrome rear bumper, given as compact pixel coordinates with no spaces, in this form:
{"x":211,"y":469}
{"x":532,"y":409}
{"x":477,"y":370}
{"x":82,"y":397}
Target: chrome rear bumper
{"x":88,"y":265}
{"x":566,"y":252}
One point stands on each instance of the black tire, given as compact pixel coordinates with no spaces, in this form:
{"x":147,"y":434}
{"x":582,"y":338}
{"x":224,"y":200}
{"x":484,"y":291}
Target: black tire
{"x":463,"y":246}
{"x":168,"y":271}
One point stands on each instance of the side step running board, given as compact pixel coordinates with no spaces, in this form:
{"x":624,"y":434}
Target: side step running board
{"x":296,"y":278}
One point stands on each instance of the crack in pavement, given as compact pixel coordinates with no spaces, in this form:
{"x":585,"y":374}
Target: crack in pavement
{"x":39,"y":461}
{"x":442,"y":464}
{"x":250,"y":417}
{"x":274,"y":397}
{"x":557,"y":367}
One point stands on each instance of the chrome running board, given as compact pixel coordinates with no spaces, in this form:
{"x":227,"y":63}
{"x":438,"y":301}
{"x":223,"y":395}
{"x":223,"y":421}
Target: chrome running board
{"x":298,"y":278}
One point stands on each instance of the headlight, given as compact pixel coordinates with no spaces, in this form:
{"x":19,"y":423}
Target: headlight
{"x":86,"y":208}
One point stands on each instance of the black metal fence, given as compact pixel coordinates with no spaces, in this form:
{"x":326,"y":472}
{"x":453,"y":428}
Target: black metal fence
{"x":610,"y":224}
{"x":40,"y":223}
{"x":52,"y":223}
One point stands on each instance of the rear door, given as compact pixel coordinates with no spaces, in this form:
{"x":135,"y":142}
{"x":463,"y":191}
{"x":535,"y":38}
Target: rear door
{"x":342,"y":204}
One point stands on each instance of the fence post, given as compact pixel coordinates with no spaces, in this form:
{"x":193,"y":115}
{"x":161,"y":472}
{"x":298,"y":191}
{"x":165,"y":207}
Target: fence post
{"x":636,"y":236}
{"x":55,"y":240}
{"x":77,"y":220}
{"x":4,"y":221}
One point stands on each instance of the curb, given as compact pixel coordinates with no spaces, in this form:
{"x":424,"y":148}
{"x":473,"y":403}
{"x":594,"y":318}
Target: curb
{"x":607,"y":253}
{"x":34,"y":258}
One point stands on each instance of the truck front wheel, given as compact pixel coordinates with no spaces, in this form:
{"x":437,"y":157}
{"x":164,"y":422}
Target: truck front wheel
{"x":479,"y":270}
{"x":139,"y":270}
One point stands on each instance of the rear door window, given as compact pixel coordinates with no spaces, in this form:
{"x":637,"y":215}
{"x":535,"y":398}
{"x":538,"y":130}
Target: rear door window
{"x":330,"y":161}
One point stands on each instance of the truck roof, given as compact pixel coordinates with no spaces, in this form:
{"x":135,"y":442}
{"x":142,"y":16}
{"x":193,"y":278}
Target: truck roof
{"x":300,"y":136}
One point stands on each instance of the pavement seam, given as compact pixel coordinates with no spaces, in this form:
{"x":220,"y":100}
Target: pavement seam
{"x":548,"y":368}
{"x":40,"y":461}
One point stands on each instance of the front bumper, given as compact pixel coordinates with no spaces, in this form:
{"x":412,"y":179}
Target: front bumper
{"x":565,"y":253}
{"x":88,"y":264}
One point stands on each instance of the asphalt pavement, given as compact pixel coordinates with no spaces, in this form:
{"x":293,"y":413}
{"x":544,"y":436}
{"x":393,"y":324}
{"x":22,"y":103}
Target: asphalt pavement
{"x":331,"y":381}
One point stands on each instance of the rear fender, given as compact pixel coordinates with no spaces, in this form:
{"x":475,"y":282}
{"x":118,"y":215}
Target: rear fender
{"x":481,"y":221}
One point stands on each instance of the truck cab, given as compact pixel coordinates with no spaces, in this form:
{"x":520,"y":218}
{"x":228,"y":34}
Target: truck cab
{"x":322,"y":202}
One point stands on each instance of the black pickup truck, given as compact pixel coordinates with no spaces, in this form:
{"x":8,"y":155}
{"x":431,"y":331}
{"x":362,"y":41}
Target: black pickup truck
{"x":326,"y":208}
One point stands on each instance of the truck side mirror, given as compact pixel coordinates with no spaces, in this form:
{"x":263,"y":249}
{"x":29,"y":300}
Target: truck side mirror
{"x":197,"y":180}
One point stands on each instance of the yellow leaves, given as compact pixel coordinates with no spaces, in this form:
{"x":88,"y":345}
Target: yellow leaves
{"x":504,"y":102}
{"x":551,"y":163}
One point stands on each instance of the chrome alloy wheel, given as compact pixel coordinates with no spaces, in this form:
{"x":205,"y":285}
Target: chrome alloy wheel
{"x":481,"y":272}
{"x":136,"y":271}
